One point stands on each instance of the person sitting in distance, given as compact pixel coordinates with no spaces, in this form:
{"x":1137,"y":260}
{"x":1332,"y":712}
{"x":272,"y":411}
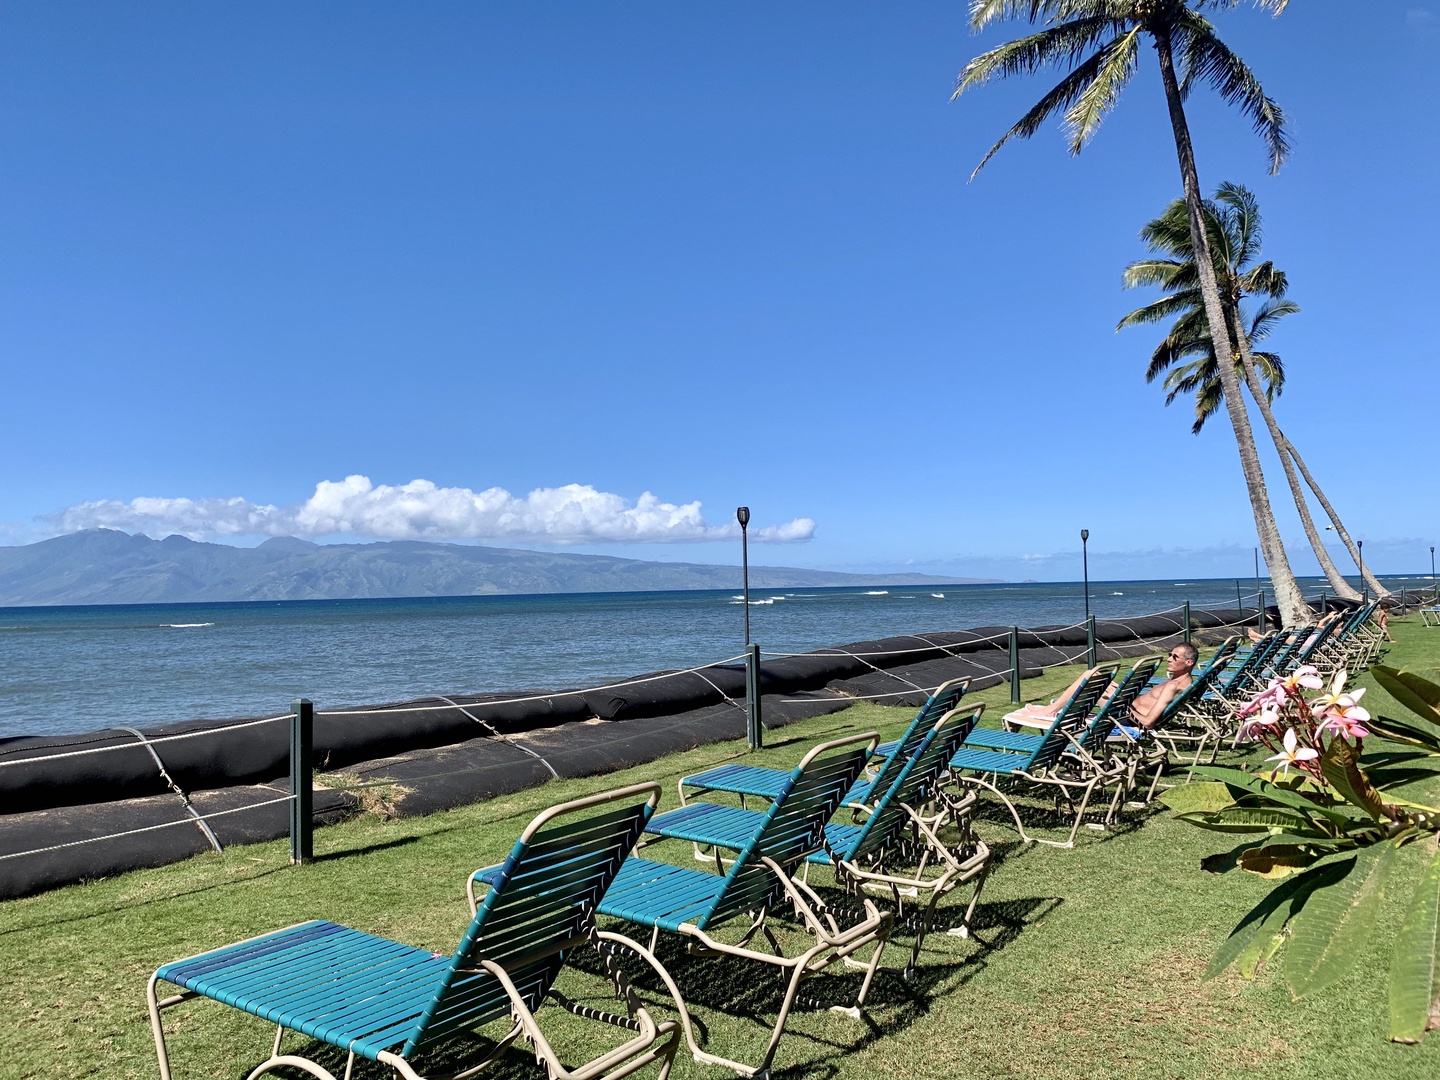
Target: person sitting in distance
{"x":1147,"y":707}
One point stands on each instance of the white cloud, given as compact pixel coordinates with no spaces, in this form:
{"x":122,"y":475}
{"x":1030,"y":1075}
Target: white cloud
{"x":419,"y":510}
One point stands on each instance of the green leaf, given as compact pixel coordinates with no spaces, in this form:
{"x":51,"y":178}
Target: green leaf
{"x":1273,"y":792}
{"x":1190,"y":798}
{"x":1419,"y":695}
{"x":1397,"y":731}
{"x":1267,"y":918}
{"x":1330,"y":933}
{"x":1243,"y":819}
{"x":1340,"y":763}
{"x":1278,"y":860}
{"x":1416,"y":963}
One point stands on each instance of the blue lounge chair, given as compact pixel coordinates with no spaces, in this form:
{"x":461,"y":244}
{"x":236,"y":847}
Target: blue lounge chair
{"x":1041,"y":765}
{"x":697,"y":904}
{"x":871,"y":855}
{"x":890,"y":758}
{"x":391,"y":1003}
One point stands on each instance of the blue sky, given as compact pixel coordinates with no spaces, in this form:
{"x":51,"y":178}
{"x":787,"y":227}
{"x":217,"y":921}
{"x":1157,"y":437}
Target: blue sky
{"x":717,"y":253}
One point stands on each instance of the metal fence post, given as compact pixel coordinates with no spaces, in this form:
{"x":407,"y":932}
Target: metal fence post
{"x":1090,"y":637}
{"x":1014,"y":665}
{"x":754,"y":733}
{"x":1260,"y":611}
{"x":302,"y":816}
{"x":1187,"y":622}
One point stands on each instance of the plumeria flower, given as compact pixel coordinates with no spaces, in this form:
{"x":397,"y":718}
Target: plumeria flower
{"x":1267,"y":718}
{"x":1292,"y":753}
{"x":1282,"y":690}
{"x":1337,"y":698}
{"x":1346,"y":718}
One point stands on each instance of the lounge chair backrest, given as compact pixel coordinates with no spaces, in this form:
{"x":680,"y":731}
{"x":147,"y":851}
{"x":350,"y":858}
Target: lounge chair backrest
{"x":916,"y":782}
{"x":1221,"y":658}
{"x":793,"y":826}
{"x":1117,"y":708}
{"x":543,"y":901}
{"x":1315,"y":641}
{"x":1238,"y":675}
{"x":1281,"y":660}
{"x":946,"y":697}
{"x":1072,"y":717}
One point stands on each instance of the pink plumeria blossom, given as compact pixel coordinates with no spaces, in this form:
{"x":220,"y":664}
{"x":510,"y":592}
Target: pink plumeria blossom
{"x":1346,"y":718}
{"x":1292,"y":753}
{"x":1283,"y":690}
{"x":1252,"y":728}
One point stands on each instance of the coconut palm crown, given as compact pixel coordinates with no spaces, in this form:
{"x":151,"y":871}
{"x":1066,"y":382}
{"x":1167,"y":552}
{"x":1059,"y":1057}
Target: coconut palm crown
{"x":1096,"y":43}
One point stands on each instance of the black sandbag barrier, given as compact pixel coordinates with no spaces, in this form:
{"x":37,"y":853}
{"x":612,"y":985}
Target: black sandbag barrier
{"x":425,"y":781}
{"x":60,"y":854}
{"x":439,"y":752}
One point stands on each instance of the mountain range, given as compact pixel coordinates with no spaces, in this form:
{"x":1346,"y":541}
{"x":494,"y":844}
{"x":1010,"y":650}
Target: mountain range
{"x":102,"y":566}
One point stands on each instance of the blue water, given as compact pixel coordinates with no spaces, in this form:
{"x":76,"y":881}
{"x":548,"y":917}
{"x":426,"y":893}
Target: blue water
{"x":69,"y":669}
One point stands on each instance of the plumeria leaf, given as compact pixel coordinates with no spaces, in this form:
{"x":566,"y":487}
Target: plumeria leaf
{"x":1278,"y":860}
{"x":1189,"y":798}
{"x":1418,"y":694}
{"x":1226,"y":861}
{"x":1397,"y":731}
{"x":1267,"y":918}
{"x":1235,"y":778}
{"x":1258,"y":953}
{"x":1329,"y":935}
{"x":1341,"y":765}
{"x":1253,"y":819}
{"x":1415,"y":968}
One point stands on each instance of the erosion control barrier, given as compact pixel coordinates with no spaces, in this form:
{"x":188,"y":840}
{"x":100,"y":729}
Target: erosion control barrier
{"x":82,"y":806}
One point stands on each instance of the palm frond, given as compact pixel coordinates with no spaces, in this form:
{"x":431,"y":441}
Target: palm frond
{"x":1265,"y":280}
{"x":1061,"y":96}
{"x":1206,"y":58}
{"x":984,"y":12}
{"x":1158,"y":272}
{"x":1163,"y":308}
{"x":1245,"y":218}
{"x":1271,"y":372}
{"x":1120,"y":56}
{"x":1054,"y":46}
{"x":1271,"y":312}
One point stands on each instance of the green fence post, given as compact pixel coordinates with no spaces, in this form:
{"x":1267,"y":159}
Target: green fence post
{"x":1014,"y":665}
{"x":754,"y":733}
{"x":1187,"y":622}
{"x":302,"y":788}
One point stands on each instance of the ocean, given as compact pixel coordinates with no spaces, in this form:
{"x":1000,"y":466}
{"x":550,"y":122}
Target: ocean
{"x":72,"y":669}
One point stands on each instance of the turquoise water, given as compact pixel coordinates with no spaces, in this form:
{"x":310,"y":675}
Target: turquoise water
{"x":68,"y":669}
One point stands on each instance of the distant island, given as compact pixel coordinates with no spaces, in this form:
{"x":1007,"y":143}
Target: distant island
{"x":102,"y":566}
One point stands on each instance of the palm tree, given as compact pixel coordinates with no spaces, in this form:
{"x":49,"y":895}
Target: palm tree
{"x":1098,"y":43}
{"x":1233,"y":229}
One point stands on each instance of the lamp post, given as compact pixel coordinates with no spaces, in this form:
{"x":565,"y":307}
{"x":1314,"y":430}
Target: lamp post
{"x":1434,"y":596}
{"x":1085,"y":566}
{"x":742,"y":515}
{"x":1259,"y":600}
{"x":1364,"y":588}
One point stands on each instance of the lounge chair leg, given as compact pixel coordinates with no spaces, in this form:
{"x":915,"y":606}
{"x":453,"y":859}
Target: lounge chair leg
{"x":303,"y":1064}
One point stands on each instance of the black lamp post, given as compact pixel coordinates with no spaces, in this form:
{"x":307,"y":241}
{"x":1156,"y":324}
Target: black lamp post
{"x":1364,"y":588}
{"x":1085,"y":566}
{"x":1434,"y":596}
{"x":742,"y":515}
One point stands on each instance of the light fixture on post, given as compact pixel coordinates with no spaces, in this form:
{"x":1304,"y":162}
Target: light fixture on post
{"x":742,"y":515}
{"x":1364,"y":588}
{"x":1085,"y":567}
{"x":754,"y":729}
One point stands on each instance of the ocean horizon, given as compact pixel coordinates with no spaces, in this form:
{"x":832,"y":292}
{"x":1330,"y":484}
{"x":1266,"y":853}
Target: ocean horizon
{"x":79,"y":668}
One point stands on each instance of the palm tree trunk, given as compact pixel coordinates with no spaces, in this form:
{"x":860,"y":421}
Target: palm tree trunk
{"x":1370,"y":578}
{"x":1338,"y":584}
{"x":1293,"y":609}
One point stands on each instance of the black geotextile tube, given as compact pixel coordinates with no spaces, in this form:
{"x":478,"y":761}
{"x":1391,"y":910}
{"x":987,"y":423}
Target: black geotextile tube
{"x":259,"y":753}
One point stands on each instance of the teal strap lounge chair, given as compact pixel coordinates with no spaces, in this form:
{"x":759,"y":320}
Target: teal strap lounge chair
{"x":890,"y":758}
{"x":698,"y":905}
{"x":1041,"y":765}
{"x":390,"y":1003}
{"x":877,"y":853}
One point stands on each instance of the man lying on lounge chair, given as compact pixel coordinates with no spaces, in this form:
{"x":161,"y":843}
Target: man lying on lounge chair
{"x":1145,"y":709}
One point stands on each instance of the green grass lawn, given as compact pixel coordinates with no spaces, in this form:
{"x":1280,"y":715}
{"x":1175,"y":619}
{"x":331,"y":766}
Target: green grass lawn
{"x":1084,"y":962}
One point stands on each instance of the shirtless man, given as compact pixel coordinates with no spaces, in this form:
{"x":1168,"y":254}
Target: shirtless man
{"x":1146,"y":708}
